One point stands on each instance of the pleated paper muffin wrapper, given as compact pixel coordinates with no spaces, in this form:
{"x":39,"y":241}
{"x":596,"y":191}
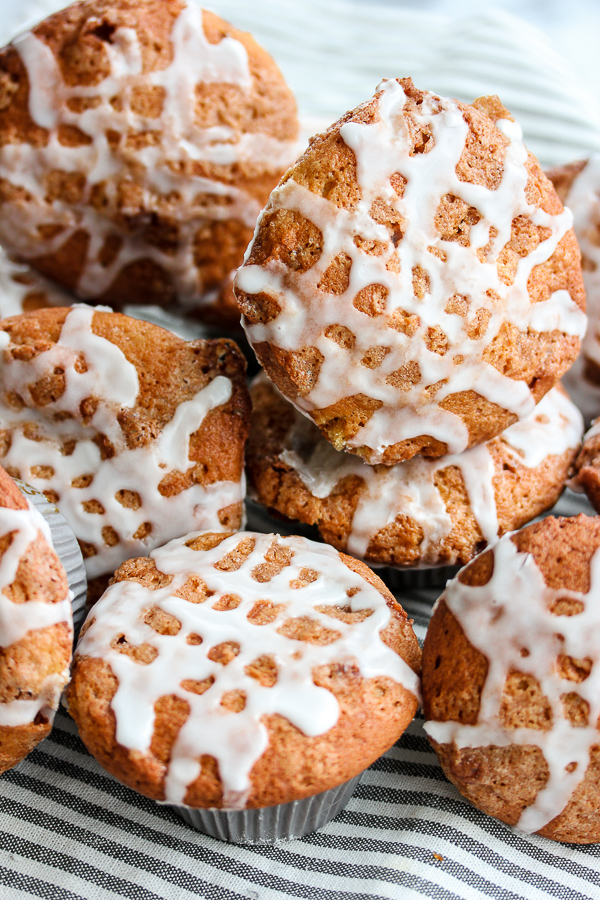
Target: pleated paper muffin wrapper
{"x":261,"y":519}
{"x":66,"y":547}
{"x":271,"y":823}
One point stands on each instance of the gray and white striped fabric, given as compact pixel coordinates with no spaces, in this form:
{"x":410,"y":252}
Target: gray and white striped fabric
{"x":67,"y":829}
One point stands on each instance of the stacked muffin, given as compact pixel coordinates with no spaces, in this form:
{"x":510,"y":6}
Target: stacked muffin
{"x":137,"y":435}
{"x":138,"y":143}
{"x":414,"y":288}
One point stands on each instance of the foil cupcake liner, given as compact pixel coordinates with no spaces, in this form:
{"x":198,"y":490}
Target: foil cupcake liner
{"x":271,"y":823}
{"x":66,"y":547}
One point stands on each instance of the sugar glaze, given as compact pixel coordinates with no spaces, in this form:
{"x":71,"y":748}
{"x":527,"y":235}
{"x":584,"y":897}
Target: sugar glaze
{"x":38,"y":437}
{"x":409,"y":488}
{"x":467,"y":274}
{"x":237,"y":740}
{"x":155,"y":154}
{"x":510,"y":622}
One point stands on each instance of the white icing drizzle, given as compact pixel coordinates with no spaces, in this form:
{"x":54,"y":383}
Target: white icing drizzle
{"x":584,"y":201}
{"x":162,"y":168}
{"x":22,"y":712}
{"x":408,"y":488}
{"x":113,"y":381}
{"x":18,"y":282}
{"x":382,"y":149}
{"x":19,"y":619}
{"x":237,"y":740}
{"x":510,"y":614}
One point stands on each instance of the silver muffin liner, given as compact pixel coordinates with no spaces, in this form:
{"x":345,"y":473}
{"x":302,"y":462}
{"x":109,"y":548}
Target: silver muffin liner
{"x":271,"y":823}
{"x":66,"y":547}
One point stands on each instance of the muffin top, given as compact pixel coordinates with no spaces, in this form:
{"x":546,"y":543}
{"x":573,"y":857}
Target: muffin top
{"x":420,"y":512}
{"x":131,"y":133}
{"x":133,"y":432}
{"x":510,"y":679}
{"x":414,"y":284}
{"x":242,"y":670}
{"x":36,"y":626}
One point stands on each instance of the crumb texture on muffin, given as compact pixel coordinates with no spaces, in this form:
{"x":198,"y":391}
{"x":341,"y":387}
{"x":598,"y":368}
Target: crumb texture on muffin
{"x":36,"y":626}
{"x":136,"y":434}
{"x":138,"y":143}
{"x":419,"y":512}
{"x":243,"y":671}
{"x":414,"y":284}
{"x":511,"y":672}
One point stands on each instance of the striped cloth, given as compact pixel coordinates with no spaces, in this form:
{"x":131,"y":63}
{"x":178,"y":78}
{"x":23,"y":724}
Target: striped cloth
{"x":491,"y":52}
{"x":67,"y":829}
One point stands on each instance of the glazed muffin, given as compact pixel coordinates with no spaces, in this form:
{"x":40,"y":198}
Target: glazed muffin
{"x":420,"y":512}
{"x":243,"y":671}
{"x":22,"y":289}
{"x":138,"y":143}
{"x":414,"y":284}
{"x":36,"y":632}
{"x":510,"y":680}
{"x":578,"y":185}
{"x":134,"y":433}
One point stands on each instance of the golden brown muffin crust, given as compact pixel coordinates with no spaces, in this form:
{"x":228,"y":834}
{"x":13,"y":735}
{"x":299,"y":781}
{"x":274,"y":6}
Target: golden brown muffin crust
{"x":80,"y":38}
{"x":373,"y":711}
{"x":170,"y":372}
{"x":503,"y":781}
{"x":288,"y":238}
{"x":520,"y":492}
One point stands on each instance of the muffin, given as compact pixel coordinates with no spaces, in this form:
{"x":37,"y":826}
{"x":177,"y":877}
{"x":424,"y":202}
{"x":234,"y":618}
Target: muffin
{"x":238,"y":672}
{"x":139,"y":140}
{"x":578,"y":185}
{"x":134,"y":433}
{"x":36,"y":626}
{"x":417,"y":513}
{"x":414,"y":284}
{"x":510,"y":672}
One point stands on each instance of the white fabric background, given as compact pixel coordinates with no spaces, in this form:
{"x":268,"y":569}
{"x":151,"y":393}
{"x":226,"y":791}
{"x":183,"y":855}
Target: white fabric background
{"x":544,"y":64}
